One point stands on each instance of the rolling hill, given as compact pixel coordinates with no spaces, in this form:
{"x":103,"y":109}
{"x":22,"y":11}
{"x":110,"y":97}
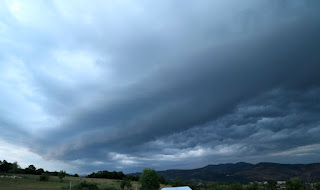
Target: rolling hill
{"x":245,"y":172}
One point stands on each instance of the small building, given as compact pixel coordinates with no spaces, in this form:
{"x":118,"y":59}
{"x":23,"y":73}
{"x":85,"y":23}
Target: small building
{"x":177,"y":188}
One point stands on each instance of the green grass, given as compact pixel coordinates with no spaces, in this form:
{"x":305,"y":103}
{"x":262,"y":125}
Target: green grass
{"x":32,"y":182}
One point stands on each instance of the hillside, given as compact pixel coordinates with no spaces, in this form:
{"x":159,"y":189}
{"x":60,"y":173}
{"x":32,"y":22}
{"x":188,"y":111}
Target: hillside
{"x":29,"y":181}
{"x":245,"y":172}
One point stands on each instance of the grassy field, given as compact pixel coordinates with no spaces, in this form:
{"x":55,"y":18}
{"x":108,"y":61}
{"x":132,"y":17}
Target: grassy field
{"x":32,"y":182}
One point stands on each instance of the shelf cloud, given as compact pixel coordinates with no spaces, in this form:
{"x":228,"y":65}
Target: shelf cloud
{"x":121,"y":85}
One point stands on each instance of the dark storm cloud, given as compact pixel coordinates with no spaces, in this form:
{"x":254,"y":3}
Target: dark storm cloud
{"x":212,"y":81}
{"x":205,"y":92}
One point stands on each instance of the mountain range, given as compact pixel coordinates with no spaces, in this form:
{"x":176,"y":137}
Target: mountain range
{"x":245,"y":172}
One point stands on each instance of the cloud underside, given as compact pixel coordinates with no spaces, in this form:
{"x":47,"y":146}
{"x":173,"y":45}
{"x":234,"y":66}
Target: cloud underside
{"x":114,"y":89}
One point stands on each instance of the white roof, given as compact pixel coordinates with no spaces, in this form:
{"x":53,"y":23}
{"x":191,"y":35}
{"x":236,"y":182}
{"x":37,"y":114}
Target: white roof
{"x":177,"y":188}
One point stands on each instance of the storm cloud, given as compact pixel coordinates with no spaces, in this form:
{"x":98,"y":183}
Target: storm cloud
{"x":121,"y":85}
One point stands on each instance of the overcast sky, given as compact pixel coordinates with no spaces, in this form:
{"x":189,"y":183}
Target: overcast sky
{"x":125,"y":85}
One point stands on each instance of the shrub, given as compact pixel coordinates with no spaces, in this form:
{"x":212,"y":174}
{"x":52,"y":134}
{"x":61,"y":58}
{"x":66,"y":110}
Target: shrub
{"x":125,"y":183}
{"x":44,"y":177}
{"x":295,"y":184}
{"x":236,"y":186}
{"x":85,"y":186}
{"x":61,"y":175}
{"x":317,"y":186}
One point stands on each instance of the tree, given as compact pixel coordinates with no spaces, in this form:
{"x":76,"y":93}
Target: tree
{"x":15,"y":168}
{"x":125,"y":182}
{"x":44,"y":177}
{"x":30,"y":169}
{"x":86,"y":185}
{"x":253,"y":186}
{"x":39,"y":171}
{"x":5,"y":166}
{"x":317,"y":186}
{"x":75,"y":175}
{"x":107,"y":174}
{"x":162,"y":180}
{"x":61,"y":174}
{"x":271,"y":185}
{"x":133,"y":177}
{"x":295,"y":184}
{"x":236,"y":186}
{"x":177,"y":182}
{"x":149,"y":180}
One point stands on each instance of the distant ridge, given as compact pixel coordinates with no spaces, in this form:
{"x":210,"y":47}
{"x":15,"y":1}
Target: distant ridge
{"x":245,"y":172}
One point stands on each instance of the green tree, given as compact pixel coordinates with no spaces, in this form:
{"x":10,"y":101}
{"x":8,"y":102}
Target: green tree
{"x":162,"y":180}
{"x":61,"y":174}
{"x":15,"y":168}
{"x":177,"y":182}
{"x":253,"y":186}
{"x":271,"y":185}
{"x":39,"y":171}
{"x":85,"y":185}
{"x":125,"y":182}
{"x":236,"y":186}
{"x":5,"y":166}
{"x":44,"y":177}
{"x":295,"y":184}
{"x":149,"y":180}
{"x":317,"y":186}
{"x":31,"y":169}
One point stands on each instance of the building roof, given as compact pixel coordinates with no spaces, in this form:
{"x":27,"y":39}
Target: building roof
{"x":177,"y":188}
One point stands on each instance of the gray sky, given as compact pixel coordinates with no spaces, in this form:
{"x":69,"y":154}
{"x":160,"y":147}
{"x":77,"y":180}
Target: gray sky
{"x":125,"y":85}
